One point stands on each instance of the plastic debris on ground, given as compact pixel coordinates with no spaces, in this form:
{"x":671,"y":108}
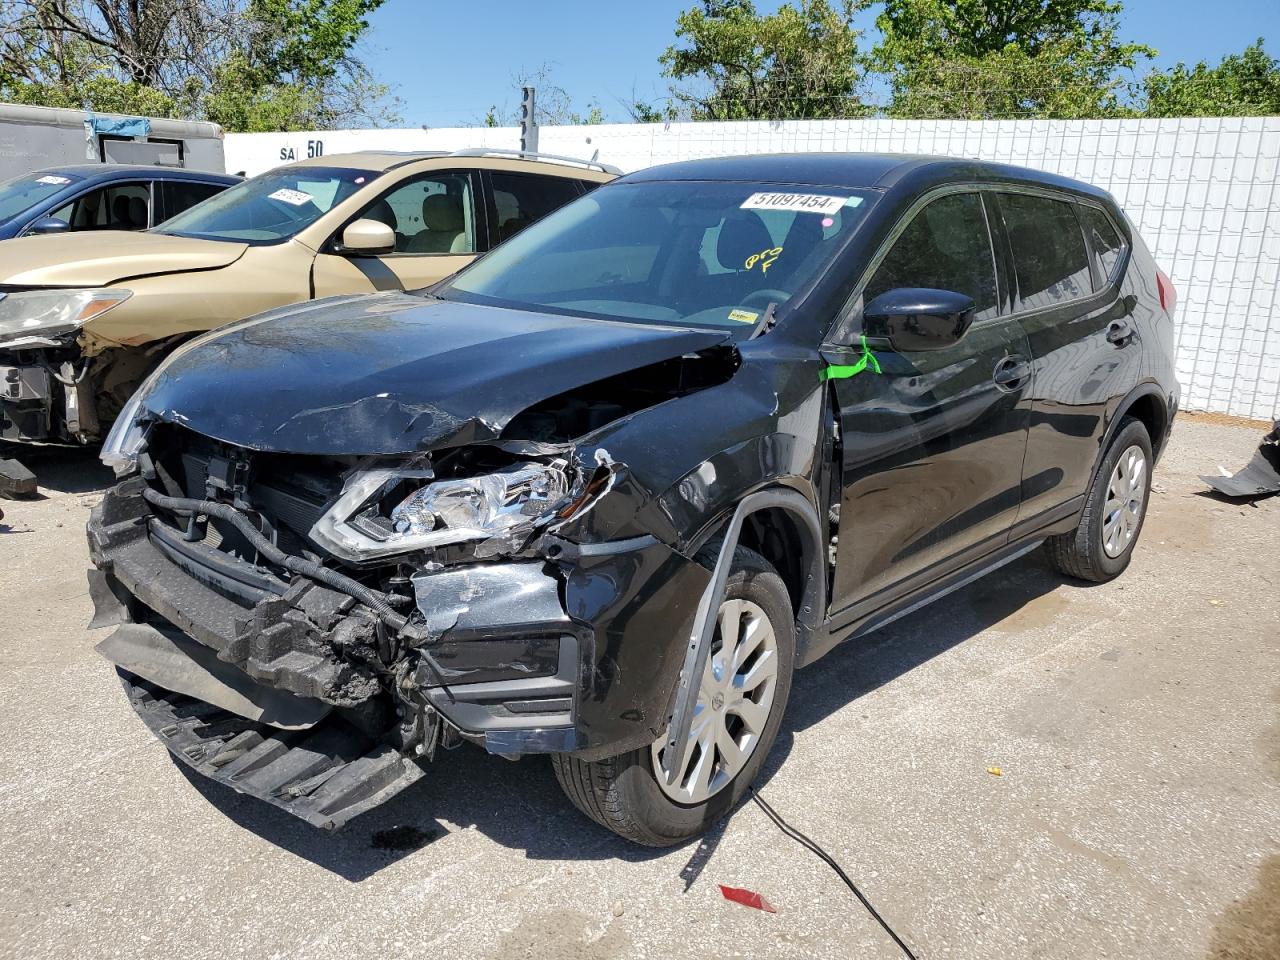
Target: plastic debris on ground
{"x":748,"y":898}
{"x":1260,"y":476}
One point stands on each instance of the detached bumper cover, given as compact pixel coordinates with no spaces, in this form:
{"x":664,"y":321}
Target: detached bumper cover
{"x":326,"y":775}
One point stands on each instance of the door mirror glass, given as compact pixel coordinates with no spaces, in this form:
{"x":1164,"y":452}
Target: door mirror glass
{"x":918,"y":318}
{"x":49,"y":225}
{"x":367,"y":238}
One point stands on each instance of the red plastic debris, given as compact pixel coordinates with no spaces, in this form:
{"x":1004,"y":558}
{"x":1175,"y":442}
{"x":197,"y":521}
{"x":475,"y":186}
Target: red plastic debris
{"x":747,"y":898}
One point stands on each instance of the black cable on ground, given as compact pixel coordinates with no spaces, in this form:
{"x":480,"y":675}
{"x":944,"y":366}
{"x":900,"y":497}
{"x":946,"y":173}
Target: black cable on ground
{"x":821,"y":854}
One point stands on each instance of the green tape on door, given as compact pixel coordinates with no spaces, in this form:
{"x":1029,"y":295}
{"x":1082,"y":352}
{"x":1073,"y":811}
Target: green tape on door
{"x":837,"y":371}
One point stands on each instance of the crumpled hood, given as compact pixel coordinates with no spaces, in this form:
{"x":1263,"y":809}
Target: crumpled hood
{"x":95,"y":258}
{"x":394,"y":373}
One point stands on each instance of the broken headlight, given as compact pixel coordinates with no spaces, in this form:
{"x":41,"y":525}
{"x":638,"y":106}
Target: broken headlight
{"x":126,"y":440}
{"x":51,"y":313}
{"x":376,"y":518}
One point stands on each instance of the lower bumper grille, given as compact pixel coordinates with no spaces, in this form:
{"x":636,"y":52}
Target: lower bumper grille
{"x":325,"y":775}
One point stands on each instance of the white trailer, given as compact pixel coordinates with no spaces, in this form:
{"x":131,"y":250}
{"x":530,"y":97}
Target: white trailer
{"x":36,"y":137}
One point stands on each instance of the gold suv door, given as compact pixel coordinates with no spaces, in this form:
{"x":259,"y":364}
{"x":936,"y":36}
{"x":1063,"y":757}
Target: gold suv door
{"x":434,"y":218}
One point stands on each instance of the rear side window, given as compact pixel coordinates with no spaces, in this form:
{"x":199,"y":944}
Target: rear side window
{"x":179,"y":195}
{"x":1048,"y":250}
{"x":1108,"y":247}
{"x":947,"y":246}
{"x":521,"y":199}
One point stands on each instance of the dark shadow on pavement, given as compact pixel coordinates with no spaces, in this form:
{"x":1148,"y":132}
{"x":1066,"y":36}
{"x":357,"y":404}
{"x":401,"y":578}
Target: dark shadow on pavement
{"x":520,"y":806}
{"x":61,"y":469}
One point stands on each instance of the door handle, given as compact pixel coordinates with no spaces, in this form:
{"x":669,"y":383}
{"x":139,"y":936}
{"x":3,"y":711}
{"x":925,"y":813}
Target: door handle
{"x":1010,"y":372}
{"x":1119,"y":332}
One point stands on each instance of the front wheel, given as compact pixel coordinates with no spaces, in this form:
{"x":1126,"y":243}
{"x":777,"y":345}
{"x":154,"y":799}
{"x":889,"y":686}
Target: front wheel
{"x":741,"y":699}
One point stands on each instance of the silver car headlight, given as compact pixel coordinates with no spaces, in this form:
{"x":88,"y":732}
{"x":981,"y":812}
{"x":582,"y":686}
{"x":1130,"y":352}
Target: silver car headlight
{"x":377,"y":514}
{"x":52,"y":313}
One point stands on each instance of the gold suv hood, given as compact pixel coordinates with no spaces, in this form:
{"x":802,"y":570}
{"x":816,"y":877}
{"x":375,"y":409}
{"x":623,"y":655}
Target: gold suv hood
{"x":95,"y":258}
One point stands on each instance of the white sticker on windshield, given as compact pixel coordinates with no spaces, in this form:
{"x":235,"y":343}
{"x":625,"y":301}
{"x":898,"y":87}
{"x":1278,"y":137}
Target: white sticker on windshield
{"x":295,"y":197}
{"x":52,"y":180}
{"x":799,"y":202}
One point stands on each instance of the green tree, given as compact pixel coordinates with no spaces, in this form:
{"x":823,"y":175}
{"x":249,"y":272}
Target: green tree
{"x":976,"y":59}
{"x":247,"y":64}
{"x":1242,"y":85}
{"x":736,"y":63}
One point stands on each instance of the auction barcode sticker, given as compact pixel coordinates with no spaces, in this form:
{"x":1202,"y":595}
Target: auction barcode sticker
{"x":295,"y":197}
{"x":799,"y":202}
{"x":52,"y":180}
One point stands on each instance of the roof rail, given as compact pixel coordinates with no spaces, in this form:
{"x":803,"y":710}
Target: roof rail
{"x":529,"y":155}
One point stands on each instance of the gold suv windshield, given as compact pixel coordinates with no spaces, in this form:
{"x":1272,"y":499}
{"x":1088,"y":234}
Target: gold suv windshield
{"x":271,"y":207}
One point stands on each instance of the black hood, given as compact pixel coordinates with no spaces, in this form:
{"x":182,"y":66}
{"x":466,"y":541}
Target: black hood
{"x":393,"y":373}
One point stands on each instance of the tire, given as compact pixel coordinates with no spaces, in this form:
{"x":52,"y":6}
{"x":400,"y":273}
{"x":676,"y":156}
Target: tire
{"x":623,"y":794}
{"x":1085,"y":552}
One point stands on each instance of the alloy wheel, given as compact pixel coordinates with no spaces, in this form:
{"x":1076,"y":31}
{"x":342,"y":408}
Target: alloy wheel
{"x":1126,"y":499}
{"x":735,"y":699}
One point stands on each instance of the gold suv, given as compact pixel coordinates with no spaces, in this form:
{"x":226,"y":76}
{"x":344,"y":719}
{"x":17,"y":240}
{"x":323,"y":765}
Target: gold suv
{"x":84,"y":317}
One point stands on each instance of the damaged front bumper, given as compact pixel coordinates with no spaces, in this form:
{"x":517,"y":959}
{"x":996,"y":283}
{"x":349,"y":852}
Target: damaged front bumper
{"x":290,"y":690}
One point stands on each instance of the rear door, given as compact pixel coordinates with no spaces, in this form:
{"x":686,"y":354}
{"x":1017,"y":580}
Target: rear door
{"x":439,"y":228}
{"x":1067,"y":262}
{"x":932,"y":444}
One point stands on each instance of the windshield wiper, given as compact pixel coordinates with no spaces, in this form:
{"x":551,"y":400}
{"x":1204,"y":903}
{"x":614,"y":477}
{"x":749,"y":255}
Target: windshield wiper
{"x":765,"y":323}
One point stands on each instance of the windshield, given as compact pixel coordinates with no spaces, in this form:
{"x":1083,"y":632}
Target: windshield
{"x":682,"y":253}
{"x":270,"y":207}
{"x":22,"y":193}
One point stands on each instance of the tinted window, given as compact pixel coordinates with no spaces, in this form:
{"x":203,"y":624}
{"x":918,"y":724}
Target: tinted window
{"x":270,"y":207}
{"x":945,"y":247}
{"x":646,"y":252}
{"x":521,"y":199}
{"x":1048,"y":249}
{"x":430,"y":215}
{"x":1108,"y":248}
{"x":21,"y":193}
{"x":122,"y":206}
{"x":179,"y":195}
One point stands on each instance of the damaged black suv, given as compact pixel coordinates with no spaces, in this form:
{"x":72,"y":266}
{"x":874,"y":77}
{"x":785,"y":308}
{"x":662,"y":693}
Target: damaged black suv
{"x":599,"y":495}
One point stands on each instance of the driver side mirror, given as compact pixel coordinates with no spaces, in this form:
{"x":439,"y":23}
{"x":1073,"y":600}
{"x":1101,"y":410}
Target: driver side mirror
{"x":367,"y":238}
{"x":917,"y":318}
{"x":48,"y":225}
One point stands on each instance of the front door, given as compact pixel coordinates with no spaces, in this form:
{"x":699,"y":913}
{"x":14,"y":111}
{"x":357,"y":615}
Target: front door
{"x":434,"y":220}
{"x":932,"y":443}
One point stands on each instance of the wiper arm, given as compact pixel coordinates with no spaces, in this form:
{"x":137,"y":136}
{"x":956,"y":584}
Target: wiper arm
{"x":765,"y":323}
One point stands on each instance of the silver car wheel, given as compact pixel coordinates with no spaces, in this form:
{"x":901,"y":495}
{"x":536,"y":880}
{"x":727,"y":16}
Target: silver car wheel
{"x":1126,"y":499}
{"x":735,"y":699}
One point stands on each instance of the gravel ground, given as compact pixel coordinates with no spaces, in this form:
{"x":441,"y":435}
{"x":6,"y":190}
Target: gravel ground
{"x":1135,"y":727}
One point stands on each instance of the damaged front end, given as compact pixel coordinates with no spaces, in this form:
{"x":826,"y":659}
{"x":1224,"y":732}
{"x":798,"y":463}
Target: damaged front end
{"x":311,"y":629}
{"x":51,"y":389}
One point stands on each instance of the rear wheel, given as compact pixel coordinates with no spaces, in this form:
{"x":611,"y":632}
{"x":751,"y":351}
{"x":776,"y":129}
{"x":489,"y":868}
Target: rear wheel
{"x":741,"y":698}
{"x":1102,"y":544}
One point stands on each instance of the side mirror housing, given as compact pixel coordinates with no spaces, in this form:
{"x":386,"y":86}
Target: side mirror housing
{"x":918,"y":318}
{"x":367,"y":238}
{"x":49,"y":225}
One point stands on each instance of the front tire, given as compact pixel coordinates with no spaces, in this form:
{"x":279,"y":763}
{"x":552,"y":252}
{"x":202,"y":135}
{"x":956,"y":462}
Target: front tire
{"x":1100,"y":547}
{"x":741,"y":700}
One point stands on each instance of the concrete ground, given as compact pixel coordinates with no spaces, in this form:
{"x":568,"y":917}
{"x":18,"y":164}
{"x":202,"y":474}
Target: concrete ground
{"x":1136,"y":813}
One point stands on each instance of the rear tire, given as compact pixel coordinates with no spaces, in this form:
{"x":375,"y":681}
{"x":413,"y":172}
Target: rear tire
{"x":623,"y":794}
{"x":1100,"y":547}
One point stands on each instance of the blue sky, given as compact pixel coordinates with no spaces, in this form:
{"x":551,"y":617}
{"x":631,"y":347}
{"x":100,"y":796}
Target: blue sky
{"x":450,"y":61}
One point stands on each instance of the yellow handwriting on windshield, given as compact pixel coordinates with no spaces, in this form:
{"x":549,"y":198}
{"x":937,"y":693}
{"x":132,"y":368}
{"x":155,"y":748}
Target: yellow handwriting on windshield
{"x":765,"y":258}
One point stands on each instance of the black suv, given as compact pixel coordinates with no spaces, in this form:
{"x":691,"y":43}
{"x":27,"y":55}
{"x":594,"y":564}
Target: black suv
{"x":601,"y":493}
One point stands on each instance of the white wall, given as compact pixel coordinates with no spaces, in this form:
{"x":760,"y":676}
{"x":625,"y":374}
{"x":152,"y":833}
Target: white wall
{"x":1203,"y":193}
